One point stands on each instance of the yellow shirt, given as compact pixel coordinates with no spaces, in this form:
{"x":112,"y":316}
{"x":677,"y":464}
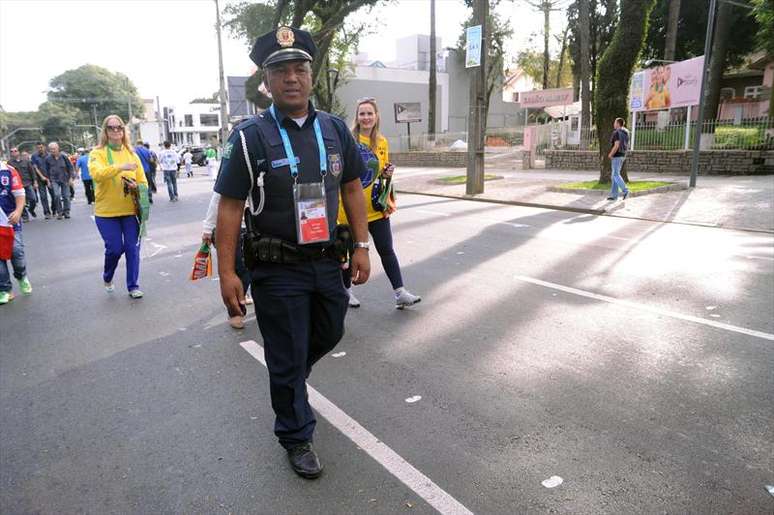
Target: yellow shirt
{"x":383,"y":155}
{"x":109,"y":198}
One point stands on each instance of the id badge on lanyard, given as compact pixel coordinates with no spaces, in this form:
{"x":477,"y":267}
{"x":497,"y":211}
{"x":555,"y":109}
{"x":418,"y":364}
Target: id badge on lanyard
{"x":309,"y":201}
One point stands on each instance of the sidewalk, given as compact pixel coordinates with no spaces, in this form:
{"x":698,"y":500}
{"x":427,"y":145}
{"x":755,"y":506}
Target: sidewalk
{"x":744,"y":202}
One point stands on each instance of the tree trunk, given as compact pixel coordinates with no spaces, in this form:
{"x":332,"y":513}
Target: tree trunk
{"x":671,"y":35}
{"x":546,"y":6}
{"x":718,"y":62}
{"x":433,"y":78}
{"x":561,"y":57}
{"x":585,"y":41}
{"x":615,"y":72}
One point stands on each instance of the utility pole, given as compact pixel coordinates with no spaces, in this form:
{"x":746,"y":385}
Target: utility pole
{"x":223,"y":107}
{"x":475,"y":174}
{"x":159,"y":117}
{"x":702,"y":97}
{"x":433,"y":77}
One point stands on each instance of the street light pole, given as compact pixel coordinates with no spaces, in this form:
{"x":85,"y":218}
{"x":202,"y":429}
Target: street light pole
{"x":702,"y":99}
{"x":223,"y":106}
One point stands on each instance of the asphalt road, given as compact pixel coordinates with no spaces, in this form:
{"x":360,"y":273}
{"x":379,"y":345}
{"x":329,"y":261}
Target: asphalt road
{"x":633,"y":360}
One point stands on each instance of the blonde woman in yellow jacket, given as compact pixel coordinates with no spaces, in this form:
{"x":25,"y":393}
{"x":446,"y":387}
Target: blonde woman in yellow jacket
{"x":375,"y":152}
{"x":116,"y":170}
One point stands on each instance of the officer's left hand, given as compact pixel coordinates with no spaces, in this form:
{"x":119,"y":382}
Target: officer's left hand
{"x":361,"y":266}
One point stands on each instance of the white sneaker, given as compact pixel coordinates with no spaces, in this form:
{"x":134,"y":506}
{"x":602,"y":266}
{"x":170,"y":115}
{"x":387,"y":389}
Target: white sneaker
{"x":136,"y":294}
{"x":353,"y":302}
{"x":109,"y":287}
{"x":405,"y":298}
{"x":248,"y":299}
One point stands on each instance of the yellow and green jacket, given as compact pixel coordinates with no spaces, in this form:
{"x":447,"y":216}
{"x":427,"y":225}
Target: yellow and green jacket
{"x":109,"y":197}
{"x":372,"y":170}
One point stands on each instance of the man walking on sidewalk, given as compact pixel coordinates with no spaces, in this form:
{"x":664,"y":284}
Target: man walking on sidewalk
{"x":82,"y":164}
{"x":44,"y":183}
{"x":23,"y":165}
{"x":620,"y":143}
{"x":168,"y":159}
{"x":60,"y":173}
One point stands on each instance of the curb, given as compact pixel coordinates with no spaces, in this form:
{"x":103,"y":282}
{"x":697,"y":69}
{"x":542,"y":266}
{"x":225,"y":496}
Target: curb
{"x":598,"y":212}
{"x":508,"y":202}
{"x":632,"y":194}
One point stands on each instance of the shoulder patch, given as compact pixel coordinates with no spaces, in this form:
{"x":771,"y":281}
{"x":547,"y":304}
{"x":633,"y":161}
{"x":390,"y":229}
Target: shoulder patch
{"x":227,"y":148}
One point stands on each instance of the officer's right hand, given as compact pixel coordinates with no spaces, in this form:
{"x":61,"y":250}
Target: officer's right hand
{"x":233,"y":294}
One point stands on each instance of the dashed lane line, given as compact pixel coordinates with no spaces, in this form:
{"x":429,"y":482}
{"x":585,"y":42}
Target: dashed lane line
{"x":645,"y":307}
{"x":422,"y":485}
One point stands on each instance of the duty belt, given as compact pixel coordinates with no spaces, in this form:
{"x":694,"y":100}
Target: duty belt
{"x":268,"y":249}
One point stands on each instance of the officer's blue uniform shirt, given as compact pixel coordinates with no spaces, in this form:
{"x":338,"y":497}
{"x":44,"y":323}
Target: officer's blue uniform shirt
{"x":267,"y":155}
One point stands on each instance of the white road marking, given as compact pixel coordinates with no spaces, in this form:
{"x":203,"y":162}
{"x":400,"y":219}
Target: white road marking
{"x":430,"y":212}
{"x":413,"y":399}
{"x":758,"y":257}
{"x":386,"y":457}
{"x":645,"y":307}
{"x":552,"y":482}
{"x":339,"y":354}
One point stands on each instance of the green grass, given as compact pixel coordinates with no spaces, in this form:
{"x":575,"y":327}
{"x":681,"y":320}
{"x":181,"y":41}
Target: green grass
{"x":594,"y":185}
{"x":460,"y":179}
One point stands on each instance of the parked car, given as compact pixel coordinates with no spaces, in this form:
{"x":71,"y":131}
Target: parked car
{"x":198,"y":153}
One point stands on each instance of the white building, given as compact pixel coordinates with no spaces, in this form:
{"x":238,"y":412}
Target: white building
{"x":193,"y":124}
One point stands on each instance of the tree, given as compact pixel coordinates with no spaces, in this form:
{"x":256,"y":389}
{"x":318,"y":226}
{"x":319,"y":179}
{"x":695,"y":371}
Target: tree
{"x":546,"y":7}
{"x":90,"y":85}
{"x":584,"y":26}
{"x":671,"y":35}
{"x":615,"y":73}
{"x":324,"y":20}
{"x":214,"y":98}
{"x":764,"y":15}
{"x":531,"y":63}
{"x":603,"y":17}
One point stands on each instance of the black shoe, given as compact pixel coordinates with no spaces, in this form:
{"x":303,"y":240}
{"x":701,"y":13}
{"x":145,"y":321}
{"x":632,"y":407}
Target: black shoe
{"x":25,"y":219}
{"x":626,"y":194}
{"x":304,"y":461}
{"x":32,"y":212}
{"x":611,"y":198}
{"x":67,"y":215}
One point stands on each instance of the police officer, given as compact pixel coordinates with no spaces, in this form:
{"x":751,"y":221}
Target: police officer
{"x":290,"y":163}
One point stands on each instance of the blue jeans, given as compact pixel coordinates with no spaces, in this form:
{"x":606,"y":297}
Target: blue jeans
{"x":618,"y":182}
{"x":170,"y":177}
{"x":121,"y":234}
{"x":17,"y":261}
{"x":61,"y":197}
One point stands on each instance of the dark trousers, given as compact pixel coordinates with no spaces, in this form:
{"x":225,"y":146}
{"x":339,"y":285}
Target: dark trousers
{"x":381,"y":232}
{"x":88,"y":187}
{"x":44,"y":192}
{"x":300,"y":311}
{"x":31,"y":199}
{"x":121,"y":236}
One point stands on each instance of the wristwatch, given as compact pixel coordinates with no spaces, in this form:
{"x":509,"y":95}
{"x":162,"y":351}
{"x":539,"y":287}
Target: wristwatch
{"x":362,"y":245}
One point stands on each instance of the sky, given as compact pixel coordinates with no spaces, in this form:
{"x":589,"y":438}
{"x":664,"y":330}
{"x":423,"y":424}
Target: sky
{"x":168,"y":48}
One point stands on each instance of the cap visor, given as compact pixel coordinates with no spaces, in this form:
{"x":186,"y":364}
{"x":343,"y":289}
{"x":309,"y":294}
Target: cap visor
{"x":286,"y":54}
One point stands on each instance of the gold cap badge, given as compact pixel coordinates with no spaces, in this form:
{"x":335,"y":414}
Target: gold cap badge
{"x":285,"y":37}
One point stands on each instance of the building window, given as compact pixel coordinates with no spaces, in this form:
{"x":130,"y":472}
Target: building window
{"x":727,"y":93}
{"x":208,"y":120}
{"x":516,"y":96}
{"x":188,"y":120}
{"x":753,"y":92}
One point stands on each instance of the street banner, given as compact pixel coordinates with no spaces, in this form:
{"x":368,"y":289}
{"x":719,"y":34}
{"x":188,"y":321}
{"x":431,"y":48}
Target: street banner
{"x":408,"y":112}
{"x":666,"y":86}
{"x":545,"y":98}
{"x":473,"y":47}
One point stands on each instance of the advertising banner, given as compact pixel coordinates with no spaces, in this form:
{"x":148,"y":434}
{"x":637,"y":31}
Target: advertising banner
{"x":408,"y":112}
{"x":473,"y":47}
{"x":666,"y":86}
{"x":545,"y":98}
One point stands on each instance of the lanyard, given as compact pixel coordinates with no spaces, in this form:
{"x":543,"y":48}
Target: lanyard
{"x":289,"y":149}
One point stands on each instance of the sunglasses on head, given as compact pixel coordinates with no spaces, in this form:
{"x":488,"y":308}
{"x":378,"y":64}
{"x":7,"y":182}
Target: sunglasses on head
{"x":366,"y":99}
{"x":115,"y":128}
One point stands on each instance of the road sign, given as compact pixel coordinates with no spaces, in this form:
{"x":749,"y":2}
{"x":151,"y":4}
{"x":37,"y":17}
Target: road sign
{"x":408,"y":112}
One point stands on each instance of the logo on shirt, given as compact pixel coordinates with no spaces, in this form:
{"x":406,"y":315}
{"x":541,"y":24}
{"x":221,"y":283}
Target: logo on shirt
{"x":334,"y":164}
{"x":4,"y":180}
{"x":227,"y":150}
